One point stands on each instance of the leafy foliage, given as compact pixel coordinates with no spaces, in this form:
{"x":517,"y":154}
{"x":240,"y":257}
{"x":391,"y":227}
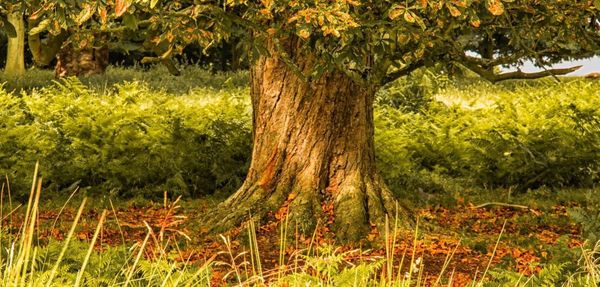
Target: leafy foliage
{"x":131,"y":136}
{"x":329,"y":268}
{"x":373,"y":42}
{"x":588,"y":217}
{"x":524,"y":137}
{"x":156,"y":78}
{"x":551,"y":275}
{"x":109,"y":267}
{"x":415,"y":92}
{"x":126,"y":140}
{"x":557,"y":274}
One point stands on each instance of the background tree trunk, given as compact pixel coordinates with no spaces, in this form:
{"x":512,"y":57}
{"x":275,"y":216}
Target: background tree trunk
{"x":313,"y":153}
{"x":81,"y":62}
{"x":15,"y":57}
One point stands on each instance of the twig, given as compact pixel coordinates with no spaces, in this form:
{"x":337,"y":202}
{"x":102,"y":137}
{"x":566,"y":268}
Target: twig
{"x":502,"y":204}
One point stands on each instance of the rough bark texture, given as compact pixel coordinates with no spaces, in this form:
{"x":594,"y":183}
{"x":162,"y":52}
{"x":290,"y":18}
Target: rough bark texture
{"x":15,"y":60}
{"x":81,"y":62}
{"x":313,"y":152}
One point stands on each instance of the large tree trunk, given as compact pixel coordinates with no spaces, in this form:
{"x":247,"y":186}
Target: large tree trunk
{"x":15,"y":57}
{"x":313,"y":153}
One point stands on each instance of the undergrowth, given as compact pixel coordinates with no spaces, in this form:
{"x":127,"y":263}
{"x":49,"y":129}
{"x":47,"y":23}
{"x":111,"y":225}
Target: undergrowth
{"x":157,"y":78}
{"x":524,"y":137}
{"x":193,"y":137}
{"x":128,"y":142}
{"x":25,"y":260}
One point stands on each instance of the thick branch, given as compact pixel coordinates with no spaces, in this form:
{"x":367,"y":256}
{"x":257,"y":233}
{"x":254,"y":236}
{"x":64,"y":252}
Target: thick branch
{"x":402,"y":72}
{"x":494,"y":78}
{"x":43,"y":54}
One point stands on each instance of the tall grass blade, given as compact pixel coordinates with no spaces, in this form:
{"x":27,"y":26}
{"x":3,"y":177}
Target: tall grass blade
{"x":66,"y":243}
{"x":90,"y":250}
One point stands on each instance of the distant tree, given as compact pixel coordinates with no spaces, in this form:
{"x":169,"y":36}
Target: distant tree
{"x":13,"y":24}
{"x":315,"y":67}
{"x":44,"y":46}
{"x":80,"y":34}
{"x":43,"y":43}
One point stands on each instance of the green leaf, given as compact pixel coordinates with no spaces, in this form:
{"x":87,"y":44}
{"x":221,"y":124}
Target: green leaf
{"x":130,"y":21}
{"x":153,"y":3}
{"x":597,"y":4}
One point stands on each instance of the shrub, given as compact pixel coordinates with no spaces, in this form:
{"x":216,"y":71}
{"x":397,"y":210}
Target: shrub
{"x":156,"y":78}
{"x":525,"y":137}
{"x":194,"y":136}
{"x":414,"y":92}
{"x":131,"y":139}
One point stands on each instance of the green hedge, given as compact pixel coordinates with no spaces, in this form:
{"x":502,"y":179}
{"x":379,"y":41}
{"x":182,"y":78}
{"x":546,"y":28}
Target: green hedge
{"x":132,"y":137}
{"x":128,"y":140}
{"x":523,"y":135}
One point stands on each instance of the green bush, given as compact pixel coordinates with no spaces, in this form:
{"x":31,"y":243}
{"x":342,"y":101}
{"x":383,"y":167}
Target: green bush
{"x":587,"y":216}
{"x":414,"y":92}
{"x":193,"y":136}
{"x":131,"y":139}
{"x":524,"y":136}
{"x":156,"y":78}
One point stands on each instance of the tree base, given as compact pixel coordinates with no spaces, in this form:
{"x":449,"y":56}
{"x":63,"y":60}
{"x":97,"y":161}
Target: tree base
{"x":365,"y":204}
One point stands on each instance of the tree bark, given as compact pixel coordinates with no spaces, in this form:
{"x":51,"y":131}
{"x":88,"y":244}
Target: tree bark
{"x":313,"y":153}
{"x":87,"y":61}
{"x":15,"y":57}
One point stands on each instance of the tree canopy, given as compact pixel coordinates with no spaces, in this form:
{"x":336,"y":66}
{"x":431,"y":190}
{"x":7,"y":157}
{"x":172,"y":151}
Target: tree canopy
{"x":372,"y":40}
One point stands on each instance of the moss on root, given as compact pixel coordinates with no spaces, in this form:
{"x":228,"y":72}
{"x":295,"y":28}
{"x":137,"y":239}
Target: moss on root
{"x":361,"y":206}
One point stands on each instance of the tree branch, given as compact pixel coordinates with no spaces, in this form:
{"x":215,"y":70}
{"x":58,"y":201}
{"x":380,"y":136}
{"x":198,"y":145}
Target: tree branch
{"x":402,"y":72}
{"x":494,"y":78}
{"x":502,"y":204}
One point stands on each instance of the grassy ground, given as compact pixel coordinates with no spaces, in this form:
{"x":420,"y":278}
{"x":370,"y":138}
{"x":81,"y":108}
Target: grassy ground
{"x":467,"y":156}
{"x":457,"y":243}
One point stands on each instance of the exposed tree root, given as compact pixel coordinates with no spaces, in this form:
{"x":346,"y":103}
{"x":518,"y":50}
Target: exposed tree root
{"x":357,"y":208}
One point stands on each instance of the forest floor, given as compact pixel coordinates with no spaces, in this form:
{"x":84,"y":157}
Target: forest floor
{"x":461,"y":239}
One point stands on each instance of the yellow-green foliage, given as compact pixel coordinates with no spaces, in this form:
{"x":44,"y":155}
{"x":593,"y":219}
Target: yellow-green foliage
{"x":520,"y":135}
{"x":156,"y":78}
{"x":133,"y":138}
{"x":585,"y":272}
{"x":196,"y":139}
